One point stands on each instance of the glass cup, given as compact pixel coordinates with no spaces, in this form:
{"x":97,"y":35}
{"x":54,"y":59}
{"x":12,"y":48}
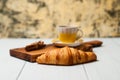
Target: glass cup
{"x":68,"y":34}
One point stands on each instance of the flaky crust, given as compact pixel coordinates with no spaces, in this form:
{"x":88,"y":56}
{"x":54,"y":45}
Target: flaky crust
{"x":66,"y":56}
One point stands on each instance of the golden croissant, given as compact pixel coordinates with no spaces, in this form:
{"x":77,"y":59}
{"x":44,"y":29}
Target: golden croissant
{"x":66,"y":56}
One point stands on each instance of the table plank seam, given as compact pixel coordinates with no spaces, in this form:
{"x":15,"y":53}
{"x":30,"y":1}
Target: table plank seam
{"x":85,"y":72}
{"x":21,"y":71}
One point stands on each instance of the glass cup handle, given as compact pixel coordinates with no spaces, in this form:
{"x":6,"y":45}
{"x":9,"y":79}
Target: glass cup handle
{"x":80,"y":34}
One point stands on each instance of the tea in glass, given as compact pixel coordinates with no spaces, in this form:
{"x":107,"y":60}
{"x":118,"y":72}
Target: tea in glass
{"x":68,"y":34}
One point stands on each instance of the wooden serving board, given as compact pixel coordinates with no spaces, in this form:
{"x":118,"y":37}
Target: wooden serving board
{"x":31,"y":56}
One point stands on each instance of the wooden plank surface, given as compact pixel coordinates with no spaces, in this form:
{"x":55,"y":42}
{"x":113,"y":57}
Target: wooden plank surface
{"x":34,"y":71}
{"x":107,"y":66}
{"x":10,"y":68}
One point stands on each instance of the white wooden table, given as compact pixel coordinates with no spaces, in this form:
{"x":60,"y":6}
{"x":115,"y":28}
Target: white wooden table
{"x":106,"y":68}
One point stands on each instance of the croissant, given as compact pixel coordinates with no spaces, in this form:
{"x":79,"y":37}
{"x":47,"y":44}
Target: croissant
{"x":66,"y":56}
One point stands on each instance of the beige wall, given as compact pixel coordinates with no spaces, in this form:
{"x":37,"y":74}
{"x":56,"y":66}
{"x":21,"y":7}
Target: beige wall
{"x":39,"y":18}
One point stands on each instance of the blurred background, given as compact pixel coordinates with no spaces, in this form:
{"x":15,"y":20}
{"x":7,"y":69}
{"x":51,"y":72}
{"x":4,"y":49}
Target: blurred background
{"x":39,"y":18}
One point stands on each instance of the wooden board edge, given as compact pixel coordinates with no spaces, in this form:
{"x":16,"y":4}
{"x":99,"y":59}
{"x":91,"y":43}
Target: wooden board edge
{"x":21,"y":55}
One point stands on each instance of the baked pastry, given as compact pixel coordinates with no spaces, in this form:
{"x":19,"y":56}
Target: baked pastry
{"x":66,"y":56}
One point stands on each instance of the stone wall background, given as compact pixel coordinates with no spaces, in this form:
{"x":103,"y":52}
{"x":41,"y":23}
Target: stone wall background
{"x":39,"y":18}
